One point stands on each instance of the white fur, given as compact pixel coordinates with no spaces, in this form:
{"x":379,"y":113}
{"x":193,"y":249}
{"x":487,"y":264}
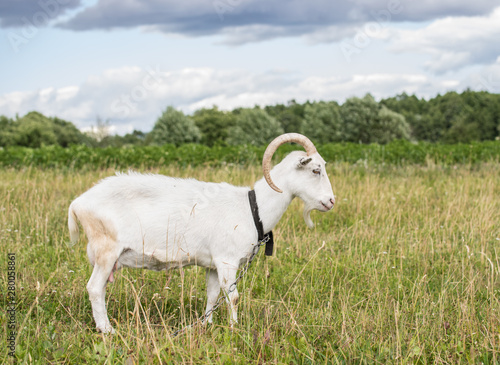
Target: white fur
{"x":159,"y":222}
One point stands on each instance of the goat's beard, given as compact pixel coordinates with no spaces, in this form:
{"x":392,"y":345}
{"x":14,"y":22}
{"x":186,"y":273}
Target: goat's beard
{"x":307,"y":216}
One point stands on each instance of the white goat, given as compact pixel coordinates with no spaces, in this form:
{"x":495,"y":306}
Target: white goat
{"x":158,"y":222}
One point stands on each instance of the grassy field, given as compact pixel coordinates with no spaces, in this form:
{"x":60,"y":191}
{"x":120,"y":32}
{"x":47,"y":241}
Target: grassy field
{"x":404,"y":270}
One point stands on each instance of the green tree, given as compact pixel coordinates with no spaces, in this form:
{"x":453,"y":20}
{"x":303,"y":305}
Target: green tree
{"x":136,"y":138}
{"x":290,"y":116}
{"x":451,"y":117}
{"x":322,"y":122}
{"x":357,"y":117}
{"x":483,"y":111}
{"x":390,"y":126}
{"x":445,"y":111}
{"x":66,"y":133}
{"x":7,"y":134}
{"x":254,"y":126}
{"x":365,"y":121}
{"x":35,"y":130}
{"x":174,"y":127}
{"x":461,"y":129}
{"x":413,"y":109}
{"x":213,"y":124}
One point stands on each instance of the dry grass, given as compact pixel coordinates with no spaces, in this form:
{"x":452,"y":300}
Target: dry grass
{"x":409,"y":273}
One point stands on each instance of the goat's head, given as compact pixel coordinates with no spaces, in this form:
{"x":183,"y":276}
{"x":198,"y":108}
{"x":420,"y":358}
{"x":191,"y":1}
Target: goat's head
{"x":306,"y":174}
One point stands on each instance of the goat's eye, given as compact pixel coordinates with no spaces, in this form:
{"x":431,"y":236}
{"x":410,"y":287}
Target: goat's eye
{"x":317,"y":171}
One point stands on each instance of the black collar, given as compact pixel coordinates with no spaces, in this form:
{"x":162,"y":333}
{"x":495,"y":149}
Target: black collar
{"x":258,"y":224}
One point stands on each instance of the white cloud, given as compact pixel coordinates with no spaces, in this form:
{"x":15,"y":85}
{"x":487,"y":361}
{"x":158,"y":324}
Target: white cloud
{"x":453,"y":42}
{"x":133,"y":97}
{"x":66,"y":93}
{"x":486,"y":79}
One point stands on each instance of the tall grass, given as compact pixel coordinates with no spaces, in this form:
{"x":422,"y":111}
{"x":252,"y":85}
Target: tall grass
{"x":404,"y":270}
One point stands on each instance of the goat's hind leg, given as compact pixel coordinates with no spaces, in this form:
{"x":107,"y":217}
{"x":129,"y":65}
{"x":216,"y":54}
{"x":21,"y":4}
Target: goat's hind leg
{"x":96,"y":287}
{"x":213,"y":290}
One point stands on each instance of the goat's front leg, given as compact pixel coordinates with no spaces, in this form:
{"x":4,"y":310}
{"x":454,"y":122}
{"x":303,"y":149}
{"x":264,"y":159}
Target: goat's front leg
{"x":213,"y":290}
{"x":227,"y":277}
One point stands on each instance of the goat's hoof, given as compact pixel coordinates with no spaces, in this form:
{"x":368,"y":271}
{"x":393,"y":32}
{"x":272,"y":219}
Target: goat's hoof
{"x":106,"y":330}
{"x":232,"y":325}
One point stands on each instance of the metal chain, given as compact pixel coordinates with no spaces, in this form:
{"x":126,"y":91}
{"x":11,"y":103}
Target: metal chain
{"x":232,"y":288}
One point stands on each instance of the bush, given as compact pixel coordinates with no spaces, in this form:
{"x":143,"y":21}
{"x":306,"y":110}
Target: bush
{"x":36,"y":130}
{"x":322,"y":122}
{"x":175,"y":128}
{"x":255,"y":127}
{"x":144,"y":157}
{"x":366,"y":121}
{"x":213,"y":124}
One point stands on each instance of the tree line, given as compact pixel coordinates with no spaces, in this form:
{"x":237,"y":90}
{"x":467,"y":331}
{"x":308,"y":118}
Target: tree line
{"x":449,"y":118}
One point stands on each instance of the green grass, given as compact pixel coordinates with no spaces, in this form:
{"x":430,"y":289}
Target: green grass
{"x":404,"y":270}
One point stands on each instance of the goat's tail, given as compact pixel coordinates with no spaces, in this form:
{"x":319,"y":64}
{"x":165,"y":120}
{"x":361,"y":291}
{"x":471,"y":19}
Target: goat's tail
{"x":73,"y":226}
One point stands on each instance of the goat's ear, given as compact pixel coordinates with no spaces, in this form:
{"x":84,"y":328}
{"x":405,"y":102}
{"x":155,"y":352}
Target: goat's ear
{"x":304,"y":161}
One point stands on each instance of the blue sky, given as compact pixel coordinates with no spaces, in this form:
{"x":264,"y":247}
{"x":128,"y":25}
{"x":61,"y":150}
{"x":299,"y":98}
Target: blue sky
{"x":126,"y":60}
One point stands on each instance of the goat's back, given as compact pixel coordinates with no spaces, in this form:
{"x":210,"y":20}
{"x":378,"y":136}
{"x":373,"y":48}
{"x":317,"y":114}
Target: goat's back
{"x":151,"y":209}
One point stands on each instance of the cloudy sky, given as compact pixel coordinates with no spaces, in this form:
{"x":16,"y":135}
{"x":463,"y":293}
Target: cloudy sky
{"x":126,"y":60}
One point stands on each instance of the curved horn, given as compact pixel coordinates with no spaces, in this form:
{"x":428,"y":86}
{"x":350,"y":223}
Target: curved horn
{"x":273,"y":146}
